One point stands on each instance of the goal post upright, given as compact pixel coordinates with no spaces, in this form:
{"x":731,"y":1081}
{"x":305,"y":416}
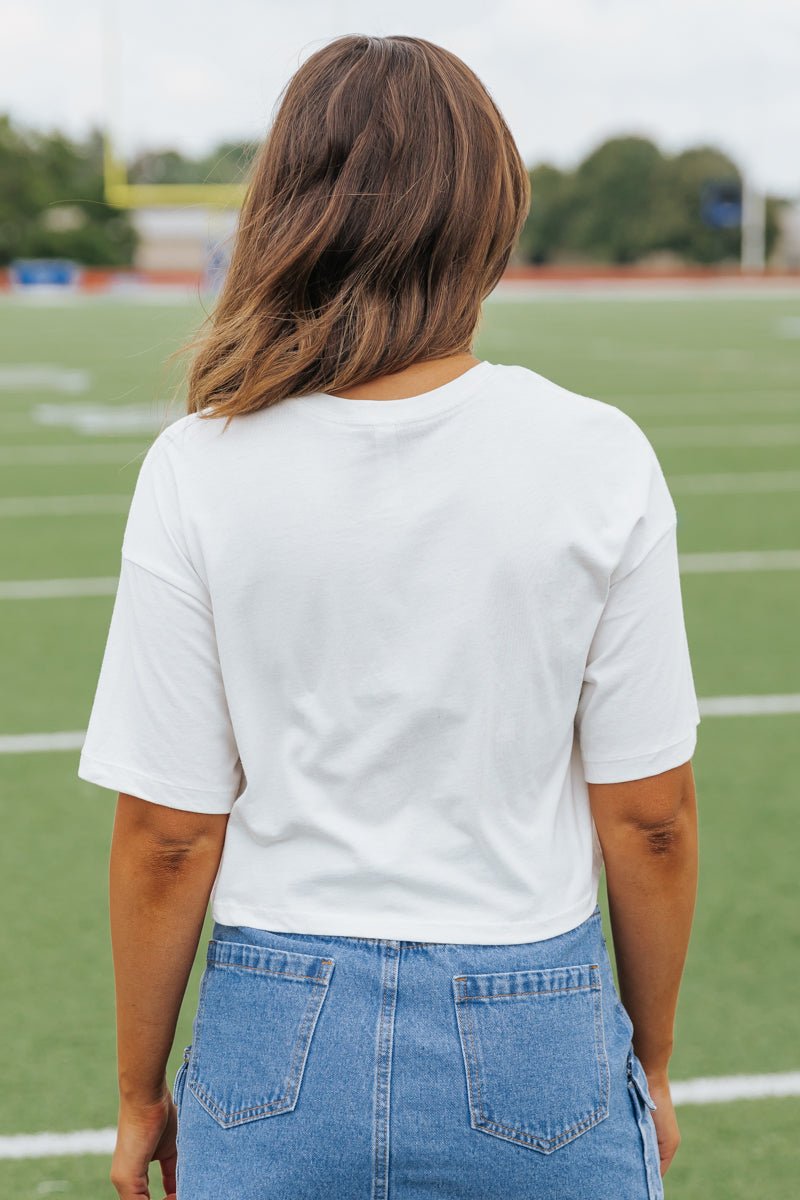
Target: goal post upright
{"x":117,"y":190}
{"x":754,"y":228}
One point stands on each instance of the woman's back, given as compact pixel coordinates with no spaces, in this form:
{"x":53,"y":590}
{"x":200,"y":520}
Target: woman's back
{"x":371,"y":624}
{"x":413,"y":669}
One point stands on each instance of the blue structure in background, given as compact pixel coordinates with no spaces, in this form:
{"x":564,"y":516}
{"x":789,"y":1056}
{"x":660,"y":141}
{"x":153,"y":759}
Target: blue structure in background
{"x":721,"y":204}
{"x":44,"y":272}
{"x":218,"y":258}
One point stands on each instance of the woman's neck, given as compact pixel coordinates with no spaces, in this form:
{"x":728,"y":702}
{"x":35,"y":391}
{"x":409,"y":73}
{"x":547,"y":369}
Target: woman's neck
{"x":413,"y":380}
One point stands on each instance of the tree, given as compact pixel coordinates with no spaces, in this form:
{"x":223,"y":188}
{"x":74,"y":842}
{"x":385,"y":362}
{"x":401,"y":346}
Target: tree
{"x":550,"y":205}
{"x":47,"y":176}
{"x":226,"y":163}
{"x":615,"y":198}
{"x":626,"y":200}
{"x":690,"y":236}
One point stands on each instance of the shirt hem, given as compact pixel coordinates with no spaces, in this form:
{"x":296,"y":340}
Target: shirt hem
{"x":396,"y":927}
{"x":623,"y":770}
{"x":158,"y":791}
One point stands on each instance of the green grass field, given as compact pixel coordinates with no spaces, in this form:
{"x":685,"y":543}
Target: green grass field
{"x":714,"y":383}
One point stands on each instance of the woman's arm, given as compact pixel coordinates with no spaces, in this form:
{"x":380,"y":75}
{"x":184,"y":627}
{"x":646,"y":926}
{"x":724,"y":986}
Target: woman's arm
{"x":162,"y":867}
{"x":648,"y":832}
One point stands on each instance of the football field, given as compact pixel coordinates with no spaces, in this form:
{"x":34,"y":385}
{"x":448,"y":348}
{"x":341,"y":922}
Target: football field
{"x":715,"y":383}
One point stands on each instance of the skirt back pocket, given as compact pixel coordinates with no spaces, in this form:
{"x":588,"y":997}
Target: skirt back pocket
{"x":534,"y":1052}
{"x":257,"y":1011}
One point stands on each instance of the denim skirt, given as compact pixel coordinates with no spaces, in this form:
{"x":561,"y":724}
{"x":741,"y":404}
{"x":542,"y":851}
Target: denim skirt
{"x":379,"y":1069}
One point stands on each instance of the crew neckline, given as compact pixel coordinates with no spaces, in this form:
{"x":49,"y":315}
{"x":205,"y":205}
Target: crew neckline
{"x":355,"y":411}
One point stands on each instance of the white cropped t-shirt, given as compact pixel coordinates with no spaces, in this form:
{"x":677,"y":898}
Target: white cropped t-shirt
{"x":394,"y":639}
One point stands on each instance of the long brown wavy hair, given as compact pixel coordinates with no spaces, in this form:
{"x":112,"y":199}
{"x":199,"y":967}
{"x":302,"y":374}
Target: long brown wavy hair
{"x":382,"y":209}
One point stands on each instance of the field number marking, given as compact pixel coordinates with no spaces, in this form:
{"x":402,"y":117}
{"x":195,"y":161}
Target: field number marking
{"x":43,"y":377}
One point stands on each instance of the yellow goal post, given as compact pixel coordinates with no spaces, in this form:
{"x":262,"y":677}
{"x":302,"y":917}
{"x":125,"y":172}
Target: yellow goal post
{"x":119,"y":193}
{"x":117,"y":190}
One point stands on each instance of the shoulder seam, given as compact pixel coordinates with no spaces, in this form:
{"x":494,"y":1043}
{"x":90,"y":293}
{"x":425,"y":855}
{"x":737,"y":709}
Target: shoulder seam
{"x":654,"y":546}
{"x":163,"y":578}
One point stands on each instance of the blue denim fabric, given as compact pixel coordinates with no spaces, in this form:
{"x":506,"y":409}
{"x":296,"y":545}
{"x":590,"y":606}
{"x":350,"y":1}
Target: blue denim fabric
{"x":372,"y":1069}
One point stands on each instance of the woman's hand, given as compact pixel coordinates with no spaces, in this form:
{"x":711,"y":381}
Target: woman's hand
{"x":669,"y":1136}
{"x":145,"y":1133}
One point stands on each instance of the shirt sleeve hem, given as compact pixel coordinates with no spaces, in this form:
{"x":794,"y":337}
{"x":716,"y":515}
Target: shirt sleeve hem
{"x":622,"y":770}
{"x":133,"y":783}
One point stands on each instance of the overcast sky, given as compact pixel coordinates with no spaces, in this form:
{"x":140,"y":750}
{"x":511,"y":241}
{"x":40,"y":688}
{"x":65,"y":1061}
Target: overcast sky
{"x":566,"y":73}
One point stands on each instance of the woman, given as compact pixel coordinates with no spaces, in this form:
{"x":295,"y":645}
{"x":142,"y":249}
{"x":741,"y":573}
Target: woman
{"x":397,"y":661}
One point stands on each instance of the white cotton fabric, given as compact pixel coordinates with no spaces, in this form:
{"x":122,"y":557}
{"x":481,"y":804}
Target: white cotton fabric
{"x":394,"y":640}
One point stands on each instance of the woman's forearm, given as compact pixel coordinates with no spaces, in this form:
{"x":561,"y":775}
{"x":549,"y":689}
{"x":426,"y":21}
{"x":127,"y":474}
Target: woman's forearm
{"x":648,"y":833}
{"x":162,"y":869}
{"x":651,"y":905}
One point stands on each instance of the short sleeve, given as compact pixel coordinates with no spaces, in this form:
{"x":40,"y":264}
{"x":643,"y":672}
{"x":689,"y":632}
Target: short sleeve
{"x":159,"y":726}
{"x":638,"y":713}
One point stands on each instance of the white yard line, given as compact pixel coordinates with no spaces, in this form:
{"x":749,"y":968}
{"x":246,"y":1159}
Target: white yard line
{"x":749,"y":706}
{"x":644,"y":409}
{"x":725,"y":1088}
{"x":54,"y":1145}
{"x":786,"y":393}
{"x":734,"y":483}
{"x":724,"y":435}
{"x":48,"y":589}
{"x":62,"y":506}
{"x":714,"y":1090}
{"x":66,"y":455}
{"x":39,"y":743}
{"x":739,"y":560}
